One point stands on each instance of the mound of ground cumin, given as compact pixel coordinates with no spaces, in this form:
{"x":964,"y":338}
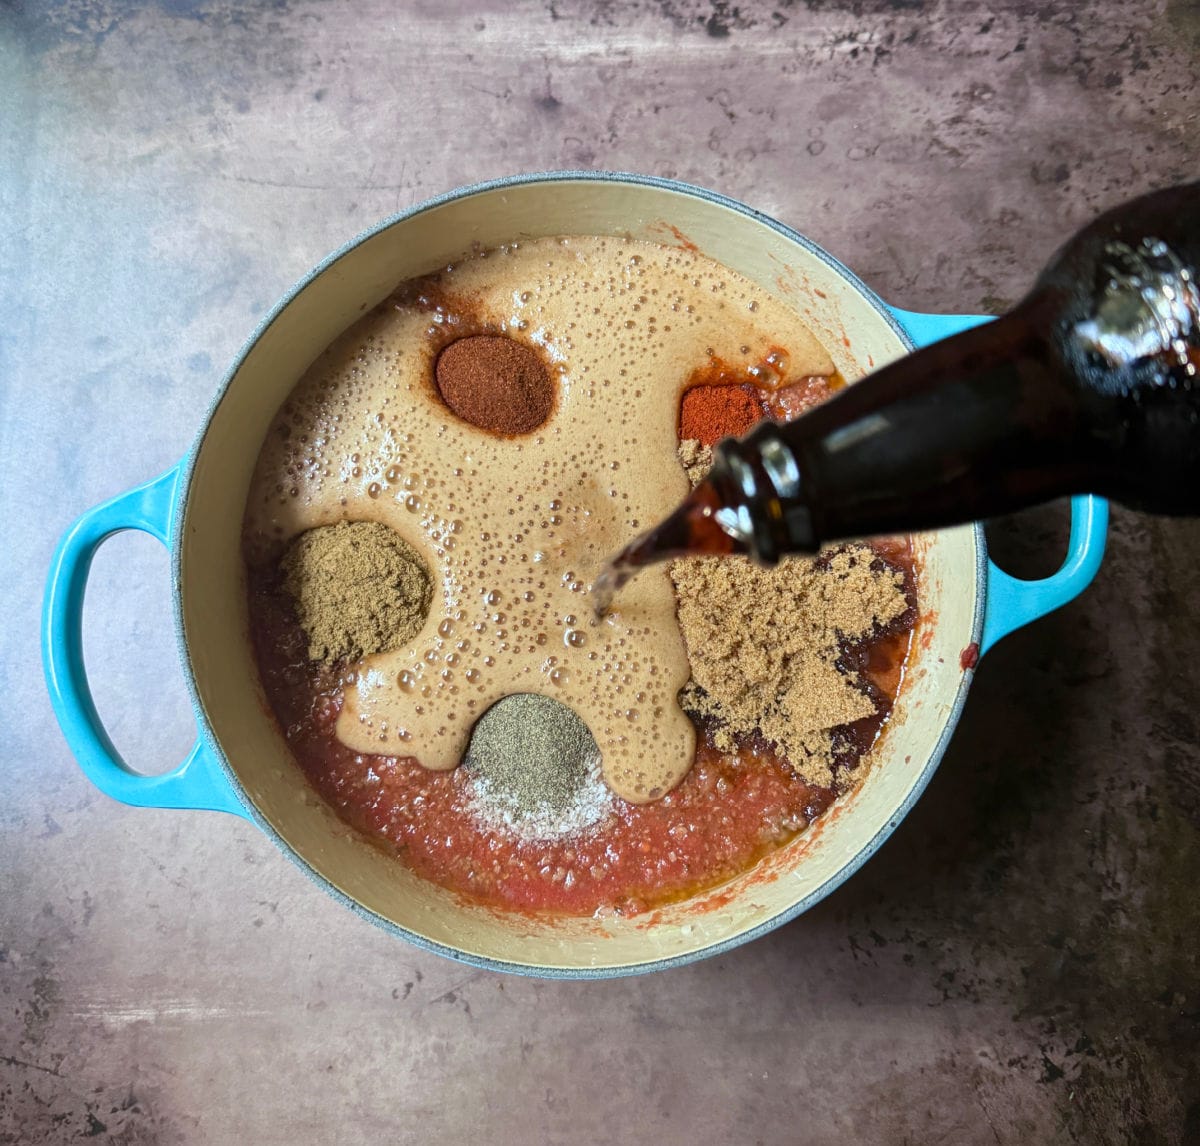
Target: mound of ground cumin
{"x":763,"y":643}
{"x":358,"y":588}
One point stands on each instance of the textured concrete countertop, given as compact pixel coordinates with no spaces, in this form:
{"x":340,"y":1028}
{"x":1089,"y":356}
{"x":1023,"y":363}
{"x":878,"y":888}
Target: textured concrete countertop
{"x":1020,"y":963}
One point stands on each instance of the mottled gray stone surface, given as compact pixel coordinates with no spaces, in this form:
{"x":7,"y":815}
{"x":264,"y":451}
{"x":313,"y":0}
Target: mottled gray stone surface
{"x":1017,"y":966}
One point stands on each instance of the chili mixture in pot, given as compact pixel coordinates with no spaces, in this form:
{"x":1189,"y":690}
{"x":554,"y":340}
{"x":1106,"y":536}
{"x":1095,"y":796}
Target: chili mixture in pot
{"x":426,"y":515}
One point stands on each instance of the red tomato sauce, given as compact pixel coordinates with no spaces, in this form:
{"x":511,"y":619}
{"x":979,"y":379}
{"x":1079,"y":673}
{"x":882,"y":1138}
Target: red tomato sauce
{"x":729,"y":811}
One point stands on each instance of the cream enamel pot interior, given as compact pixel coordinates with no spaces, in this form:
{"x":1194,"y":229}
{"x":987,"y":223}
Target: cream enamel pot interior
{"x":240,"y":763}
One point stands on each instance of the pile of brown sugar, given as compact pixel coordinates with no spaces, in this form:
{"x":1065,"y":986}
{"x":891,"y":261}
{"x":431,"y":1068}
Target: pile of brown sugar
{"x":696,"y":459}
{"x":764,"y":643}
{"x":358,"y":587}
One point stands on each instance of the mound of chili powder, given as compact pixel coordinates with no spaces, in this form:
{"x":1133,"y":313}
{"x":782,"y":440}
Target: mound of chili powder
{"x":709,"y":413}
{"x":495,"y":383}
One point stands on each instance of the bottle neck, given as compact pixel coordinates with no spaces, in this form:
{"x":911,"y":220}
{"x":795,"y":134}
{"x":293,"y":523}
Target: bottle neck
{"x":982,"y":424}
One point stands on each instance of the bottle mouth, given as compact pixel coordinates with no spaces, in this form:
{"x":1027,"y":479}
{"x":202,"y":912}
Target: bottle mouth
{"x":730,"y":471}
{"x":692,"y":530}
{"x":752,"y":476}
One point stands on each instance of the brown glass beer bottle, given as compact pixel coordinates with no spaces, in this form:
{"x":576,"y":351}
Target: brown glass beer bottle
{"x":1089,"y":385}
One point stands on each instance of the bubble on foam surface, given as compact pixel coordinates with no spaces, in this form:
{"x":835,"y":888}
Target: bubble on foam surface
{"x":516,"y":530}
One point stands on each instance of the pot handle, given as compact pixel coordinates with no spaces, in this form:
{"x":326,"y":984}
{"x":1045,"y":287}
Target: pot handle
{"x":196,"y":783}
{"x":1012,"y":602}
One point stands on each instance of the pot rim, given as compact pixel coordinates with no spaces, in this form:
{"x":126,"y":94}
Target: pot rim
{"x":182,"y":497}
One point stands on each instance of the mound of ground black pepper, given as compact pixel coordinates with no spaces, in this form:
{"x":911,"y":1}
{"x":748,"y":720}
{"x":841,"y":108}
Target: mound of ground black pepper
{"x":495,"y":383}
{"x":358,"y":588}
{"x":535,"y":768}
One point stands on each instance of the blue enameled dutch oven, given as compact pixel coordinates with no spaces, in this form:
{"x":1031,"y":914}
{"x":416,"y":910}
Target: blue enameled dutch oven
{"x":240,"y":763}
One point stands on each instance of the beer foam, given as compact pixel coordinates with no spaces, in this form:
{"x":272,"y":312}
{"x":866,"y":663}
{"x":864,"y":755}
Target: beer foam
{"x":515,"y":529}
